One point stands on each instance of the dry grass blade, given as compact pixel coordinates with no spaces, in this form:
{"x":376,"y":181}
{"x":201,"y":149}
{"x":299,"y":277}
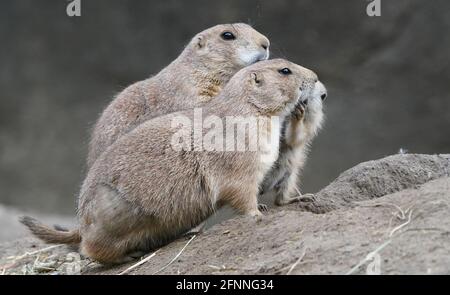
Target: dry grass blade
{"x":35,"y":252}
{"x":36,"y":260}
{"x":176,"y":257}
{"x":368,"y":257}
{"x":139,"y":263}
{"x":297,"y":262}
{"x":16,"y":259}
{"x":401,"y":225}
{"x":402,"y":215}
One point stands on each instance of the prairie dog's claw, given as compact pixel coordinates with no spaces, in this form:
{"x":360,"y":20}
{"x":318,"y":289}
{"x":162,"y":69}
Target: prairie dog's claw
{"x":263,"y":207}
{"x":307,"y":198}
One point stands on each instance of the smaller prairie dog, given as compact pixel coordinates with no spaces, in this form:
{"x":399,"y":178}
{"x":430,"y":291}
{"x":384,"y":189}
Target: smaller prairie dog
{"x":144,"y":191}
{"x":281,"y":183}
{"x":196,"y":76}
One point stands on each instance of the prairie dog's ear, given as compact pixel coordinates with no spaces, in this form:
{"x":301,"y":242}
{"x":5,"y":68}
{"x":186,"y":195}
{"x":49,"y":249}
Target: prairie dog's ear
{"x":200,"y":41}
{"x":256,"y":78}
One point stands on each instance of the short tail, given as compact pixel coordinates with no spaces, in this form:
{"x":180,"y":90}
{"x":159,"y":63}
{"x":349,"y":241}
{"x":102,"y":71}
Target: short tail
{"x":50,"y":235}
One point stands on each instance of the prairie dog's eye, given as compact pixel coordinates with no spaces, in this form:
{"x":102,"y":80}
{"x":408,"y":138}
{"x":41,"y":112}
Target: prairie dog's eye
{"x":285,"y":71}
{"x":228,"y":36}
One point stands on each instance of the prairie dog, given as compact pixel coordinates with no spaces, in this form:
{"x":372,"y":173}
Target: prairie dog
{"x":197,"y":75}
{"x":298,"y":132}
{"x":144,"y":190}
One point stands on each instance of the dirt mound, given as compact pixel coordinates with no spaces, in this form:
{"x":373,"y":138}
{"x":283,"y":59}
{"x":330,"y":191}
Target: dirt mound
{"x":405,"y":230}
{"x":373,"y":179}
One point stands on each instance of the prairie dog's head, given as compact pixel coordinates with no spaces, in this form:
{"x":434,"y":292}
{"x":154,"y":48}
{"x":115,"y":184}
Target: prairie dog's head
{"x":274,"y":86}
{"x":231,"y":46}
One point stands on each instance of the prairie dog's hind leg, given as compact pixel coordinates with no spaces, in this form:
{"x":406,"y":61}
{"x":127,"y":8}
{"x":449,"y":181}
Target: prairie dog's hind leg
{"x":245,"y":201}
{"x":286,"y":187}
{"x":113,"y":229}
{"x":287,"y":190}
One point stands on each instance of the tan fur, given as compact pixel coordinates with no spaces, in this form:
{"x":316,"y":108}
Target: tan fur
{"x":281,"y":183}
{"x":142,"y":193}
{"x":195,"y":77}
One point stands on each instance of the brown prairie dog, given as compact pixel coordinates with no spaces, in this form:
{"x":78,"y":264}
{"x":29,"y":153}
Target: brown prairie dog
{"x":197,"y":75}
{"x":298,"y":132}
{"x":144,"y":190}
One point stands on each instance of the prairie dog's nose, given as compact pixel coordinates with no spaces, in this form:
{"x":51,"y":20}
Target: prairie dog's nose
{"x":265,"y":46}
{"x":265,"y":43}
{"x":321,"y":90}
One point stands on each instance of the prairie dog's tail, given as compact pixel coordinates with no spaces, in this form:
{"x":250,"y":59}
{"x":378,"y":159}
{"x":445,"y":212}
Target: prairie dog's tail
{"x":50,"y":235}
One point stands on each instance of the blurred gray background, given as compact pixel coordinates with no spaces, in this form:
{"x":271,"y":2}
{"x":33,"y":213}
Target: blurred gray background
{"x":388,"y":78}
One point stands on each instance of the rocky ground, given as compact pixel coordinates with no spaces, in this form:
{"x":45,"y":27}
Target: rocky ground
{"x":389,"y":216}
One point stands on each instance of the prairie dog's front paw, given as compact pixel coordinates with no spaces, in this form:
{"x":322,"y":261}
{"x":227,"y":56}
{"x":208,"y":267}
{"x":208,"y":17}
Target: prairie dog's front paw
{"x":299,"y":111}
{"x":255,"y":213}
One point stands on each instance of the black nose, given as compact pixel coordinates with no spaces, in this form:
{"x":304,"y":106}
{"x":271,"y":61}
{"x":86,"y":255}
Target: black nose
{"x":323,"y":96}
{"x":264,"y":46}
